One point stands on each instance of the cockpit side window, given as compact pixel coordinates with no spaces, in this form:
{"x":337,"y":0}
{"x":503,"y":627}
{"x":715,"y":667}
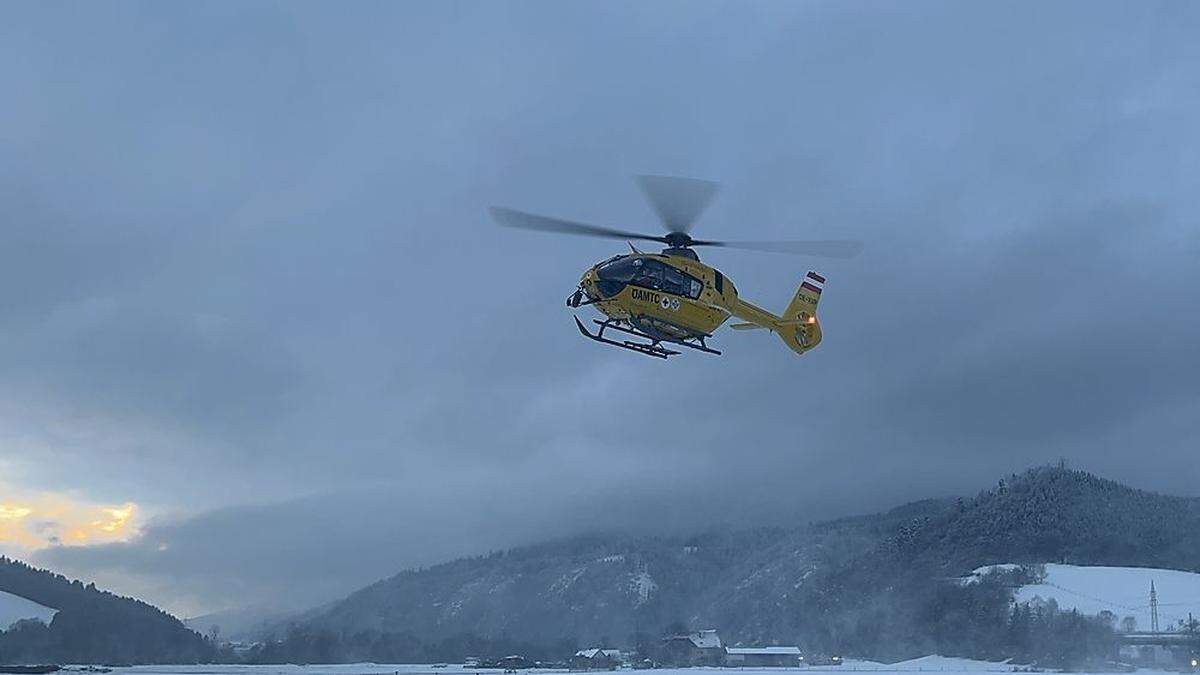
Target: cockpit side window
{"x":678,"y":282}
{"x":675,"y":282}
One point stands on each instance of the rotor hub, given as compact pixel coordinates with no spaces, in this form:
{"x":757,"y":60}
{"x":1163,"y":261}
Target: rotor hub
{"x":678,"y":239}
{"x":681,"y":252}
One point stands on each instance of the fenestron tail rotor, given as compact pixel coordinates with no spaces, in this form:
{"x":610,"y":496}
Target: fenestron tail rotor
{"x":678,"y":203}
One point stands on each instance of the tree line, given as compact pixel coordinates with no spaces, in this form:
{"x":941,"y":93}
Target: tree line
{"x":92,"y":626}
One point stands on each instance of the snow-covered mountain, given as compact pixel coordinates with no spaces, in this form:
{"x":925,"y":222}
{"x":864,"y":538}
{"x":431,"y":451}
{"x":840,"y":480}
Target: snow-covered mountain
{"x":862,"y":581}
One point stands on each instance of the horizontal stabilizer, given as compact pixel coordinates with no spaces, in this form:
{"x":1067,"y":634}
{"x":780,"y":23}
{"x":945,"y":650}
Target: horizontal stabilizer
{"x":774,"y":325}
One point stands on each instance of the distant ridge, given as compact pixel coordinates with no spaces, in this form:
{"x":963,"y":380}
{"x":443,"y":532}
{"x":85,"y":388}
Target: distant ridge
{"x":848,"y":582}
{"x":238,"y":624}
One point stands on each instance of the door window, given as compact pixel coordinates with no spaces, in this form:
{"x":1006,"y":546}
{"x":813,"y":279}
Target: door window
{"x":649,"y":274}
{"x":681,"y":283}
{"x":675,"y":282}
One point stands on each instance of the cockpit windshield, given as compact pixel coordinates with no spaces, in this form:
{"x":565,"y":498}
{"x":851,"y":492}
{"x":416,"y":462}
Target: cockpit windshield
{"x":622,"y":269}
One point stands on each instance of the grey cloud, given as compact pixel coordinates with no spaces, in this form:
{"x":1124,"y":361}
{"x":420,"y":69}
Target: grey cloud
{"x":254,"y":265}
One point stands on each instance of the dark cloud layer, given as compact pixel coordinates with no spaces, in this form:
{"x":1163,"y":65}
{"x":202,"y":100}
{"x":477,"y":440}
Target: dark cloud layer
{"x":249,"y":282}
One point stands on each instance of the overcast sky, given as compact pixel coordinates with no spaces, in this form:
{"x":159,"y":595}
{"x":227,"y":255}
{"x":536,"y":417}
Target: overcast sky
{"x":261,"y":344}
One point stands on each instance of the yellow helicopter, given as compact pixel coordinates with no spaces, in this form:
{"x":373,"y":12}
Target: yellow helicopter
{"x":671,"y":299}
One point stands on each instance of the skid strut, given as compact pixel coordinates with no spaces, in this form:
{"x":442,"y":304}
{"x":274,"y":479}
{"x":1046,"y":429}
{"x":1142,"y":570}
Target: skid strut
{"x":700,"y":347}
{"x":653,"y":348}
{"x":649,"y":349}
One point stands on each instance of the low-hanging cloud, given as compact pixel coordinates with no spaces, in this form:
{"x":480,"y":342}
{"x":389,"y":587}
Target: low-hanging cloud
{"x":252,"y":287}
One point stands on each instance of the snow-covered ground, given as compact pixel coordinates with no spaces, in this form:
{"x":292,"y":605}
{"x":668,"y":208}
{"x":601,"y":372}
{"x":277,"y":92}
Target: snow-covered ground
{"x":947,"y":663}
{"x":1124,"y":591}
{"x":13,"y":608}
{"x":939,"y":664}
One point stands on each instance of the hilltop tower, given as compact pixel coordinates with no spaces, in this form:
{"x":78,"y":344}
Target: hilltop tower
{"x":1153,"y":608}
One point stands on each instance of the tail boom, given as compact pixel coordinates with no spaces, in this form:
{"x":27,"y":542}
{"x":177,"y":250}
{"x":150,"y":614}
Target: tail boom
{"x":798,"y":327}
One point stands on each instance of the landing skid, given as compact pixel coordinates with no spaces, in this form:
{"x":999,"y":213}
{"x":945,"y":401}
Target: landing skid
{"x":653,"y":348}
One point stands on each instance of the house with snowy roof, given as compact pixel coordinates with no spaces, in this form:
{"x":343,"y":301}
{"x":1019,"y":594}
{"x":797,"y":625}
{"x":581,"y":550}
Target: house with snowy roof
{"x":697,"y":648}
{"x":590,"y":659}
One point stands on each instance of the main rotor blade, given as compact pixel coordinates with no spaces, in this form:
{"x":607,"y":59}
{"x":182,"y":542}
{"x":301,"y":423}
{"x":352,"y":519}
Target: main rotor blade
{"x":678,"y":201}
{"x":530,"y":221}
{"x":832,"y":248}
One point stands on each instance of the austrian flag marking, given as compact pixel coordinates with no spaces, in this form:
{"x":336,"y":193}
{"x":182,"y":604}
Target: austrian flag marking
{"x":813,"y":282}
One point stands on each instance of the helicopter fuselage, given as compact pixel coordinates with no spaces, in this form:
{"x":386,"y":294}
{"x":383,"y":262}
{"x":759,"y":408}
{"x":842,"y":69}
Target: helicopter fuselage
{"x":667,"y":295}
{"x":674,"y":298}
{"x":671,"y":299}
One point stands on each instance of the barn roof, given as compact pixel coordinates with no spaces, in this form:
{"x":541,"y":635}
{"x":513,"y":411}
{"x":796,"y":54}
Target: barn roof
{"x":764,"y":651}
{"x":701,"y":639}
{"x":596,"y":651}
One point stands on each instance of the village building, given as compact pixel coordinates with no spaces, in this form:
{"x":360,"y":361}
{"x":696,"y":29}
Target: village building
{"x":697,"y":648}
{"x":514,"y":662}
{"x":763,"y":656}
{"x":596,"y":658}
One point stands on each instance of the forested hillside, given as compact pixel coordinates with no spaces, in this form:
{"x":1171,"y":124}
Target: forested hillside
{"x":880,"y":585}
{"x":1056,"y":515}
{"x":92,"y":626}
{"x":613,"y":586}
{"x":1047,"y":514}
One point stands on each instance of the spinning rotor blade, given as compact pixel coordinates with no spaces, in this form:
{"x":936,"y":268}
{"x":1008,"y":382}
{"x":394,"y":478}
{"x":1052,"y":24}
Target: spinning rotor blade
{"x":678,"y":201}
{"x":530,"y":221}
{"x":821,"y":249}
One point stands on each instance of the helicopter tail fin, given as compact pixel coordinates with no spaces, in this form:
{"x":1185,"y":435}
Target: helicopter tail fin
{"x":800,"y":329}
{"x":806,"y":298}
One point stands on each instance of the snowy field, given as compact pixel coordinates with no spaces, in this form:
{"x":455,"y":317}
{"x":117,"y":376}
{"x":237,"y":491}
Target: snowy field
{"x":1124,"y":591}
{"x":13,"y":608}
{"x":926,"y":664}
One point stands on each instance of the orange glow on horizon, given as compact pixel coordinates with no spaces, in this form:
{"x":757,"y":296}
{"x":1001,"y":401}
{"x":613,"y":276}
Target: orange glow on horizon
{"x":34,"y":520}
